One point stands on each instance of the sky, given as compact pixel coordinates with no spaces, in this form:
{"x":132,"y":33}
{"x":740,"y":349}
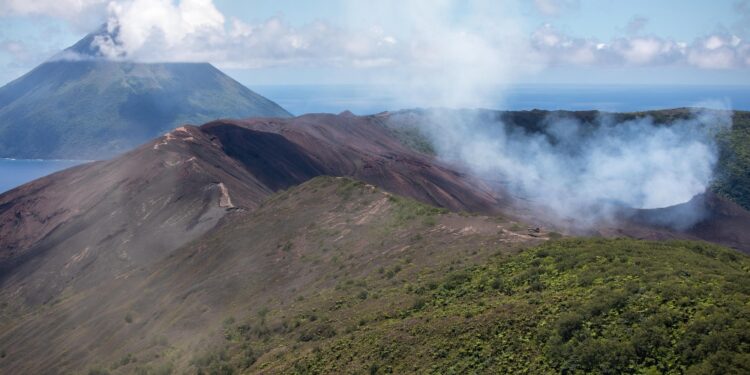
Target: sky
{"x":426,"y":44}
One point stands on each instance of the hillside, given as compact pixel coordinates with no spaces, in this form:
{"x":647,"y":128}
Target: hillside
{"x":233,"y":247}
{"x":178,"y":179}
{"x":85,"y":107}
{"x":572,"y":306}
{"x":337,"y":276}
{"x":297,"y":246}
{"x":77,"y":229}
{"x":734,"y":175}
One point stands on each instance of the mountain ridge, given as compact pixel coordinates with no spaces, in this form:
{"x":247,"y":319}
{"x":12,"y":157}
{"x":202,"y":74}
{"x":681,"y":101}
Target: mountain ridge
{"x":137,"y":208}
{"x":152,"y":260}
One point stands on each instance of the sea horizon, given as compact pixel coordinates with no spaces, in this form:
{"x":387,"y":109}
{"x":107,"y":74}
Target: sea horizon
{"x":364,"y":99}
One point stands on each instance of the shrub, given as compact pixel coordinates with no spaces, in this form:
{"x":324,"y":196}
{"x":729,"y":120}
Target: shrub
{"x":318,"y":332}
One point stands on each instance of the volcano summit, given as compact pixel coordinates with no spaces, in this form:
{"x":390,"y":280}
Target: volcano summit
{"x":79,"y":105}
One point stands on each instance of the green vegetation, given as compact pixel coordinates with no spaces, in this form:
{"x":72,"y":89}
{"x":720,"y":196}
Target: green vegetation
{"x":413,"y":138}
{"x":347,"y":187}
{"x":367,"y":286}
{"x":408,"y":209}
{"x":163,"y":369}
{"x":733,"y":180}
{"x":214,"y":363}
{"x":571,"y":306}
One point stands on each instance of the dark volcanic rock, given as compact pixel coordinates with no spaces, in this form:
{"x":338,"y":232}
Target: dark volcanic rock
{"x":111,"y":217}
{"x":718,"y":220}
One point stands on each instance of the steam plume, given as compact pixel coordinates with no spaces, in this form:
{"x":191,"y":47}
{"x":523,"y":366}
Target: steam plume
{"x":586,"y":171}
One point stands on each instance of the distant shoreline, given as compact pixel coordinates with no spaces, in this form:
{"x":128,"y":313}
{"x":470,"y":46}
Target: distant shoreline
{"x":60,"y":160}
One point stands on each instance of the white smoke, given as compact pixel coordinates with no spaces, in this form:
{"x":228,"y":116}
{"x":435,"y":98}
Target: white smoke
{"x":143,"y":27}
{"x":455,"y":53}
{"x":582,"y":171}
{"x":421,"y":45}
{"x":451,"y":54}
{"x":586,"y":172}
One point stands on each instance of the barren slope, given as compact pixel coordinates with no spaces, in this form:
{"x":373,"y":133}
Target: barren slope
{"x":99,"y":221}
{"x":294,"y":246}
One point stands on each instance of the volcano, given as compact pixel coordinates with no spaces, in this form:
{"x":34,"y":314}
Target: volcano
{"x":141,"y":263}
{"x":81,"y":105}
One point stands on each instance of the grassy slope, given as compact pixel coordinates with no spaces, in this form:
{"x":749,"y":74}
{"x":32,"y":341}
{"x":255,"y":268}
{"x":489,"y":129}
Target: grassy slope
{"x":733,"y":180}
{"x":577,"y":305}
{"x":303,"y":255}
{"x":335,"y":276}
{"x":581,"y":305}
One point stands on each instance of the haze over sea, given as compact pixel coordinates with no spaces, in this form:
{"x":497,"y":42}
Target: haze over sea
{"x":363,"y":99}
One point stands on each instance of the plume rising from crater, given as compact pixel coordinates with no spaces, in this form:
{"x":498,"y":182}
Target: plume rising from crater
{"x":584,"y":166}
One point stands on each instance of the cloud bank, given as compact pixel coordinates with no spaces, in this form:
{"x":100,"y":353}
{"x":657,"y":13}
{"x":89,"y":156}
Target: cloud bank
{"x":196,"y":30}
{"x":82,"y":15}
{"x":68,"y":9}
{"x":715,"y":51}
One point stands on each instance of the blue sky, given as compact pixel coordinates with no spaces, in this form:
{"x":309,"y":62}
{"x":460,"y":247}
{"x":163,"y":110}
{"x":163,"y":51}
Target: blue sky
{"x":602,"y":18}
{"x":338,"y":42}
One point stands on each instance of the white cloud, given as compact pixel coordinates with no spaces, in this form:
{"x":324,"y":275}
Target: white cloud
{"x":713,"y":42}
{"x":715,"y":51}
{"x":54,"y":8}
{"x":195,"y":30}
{"x":452,"y":57}
{"x":17,"y":48}
{"x":487,"y":46}
{"x":547,"y":36}
{"x":80,"y":14}
{"x":641,"y":51}
{"x":22,"y":54}
{"x":161,"y":24}
{"x":461,"y":43}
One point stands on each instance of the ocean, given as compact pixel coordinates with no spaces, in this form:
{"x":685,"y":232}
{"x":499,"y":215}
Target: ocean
{"x":15,"y":172}
{"x":362,"y":100}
